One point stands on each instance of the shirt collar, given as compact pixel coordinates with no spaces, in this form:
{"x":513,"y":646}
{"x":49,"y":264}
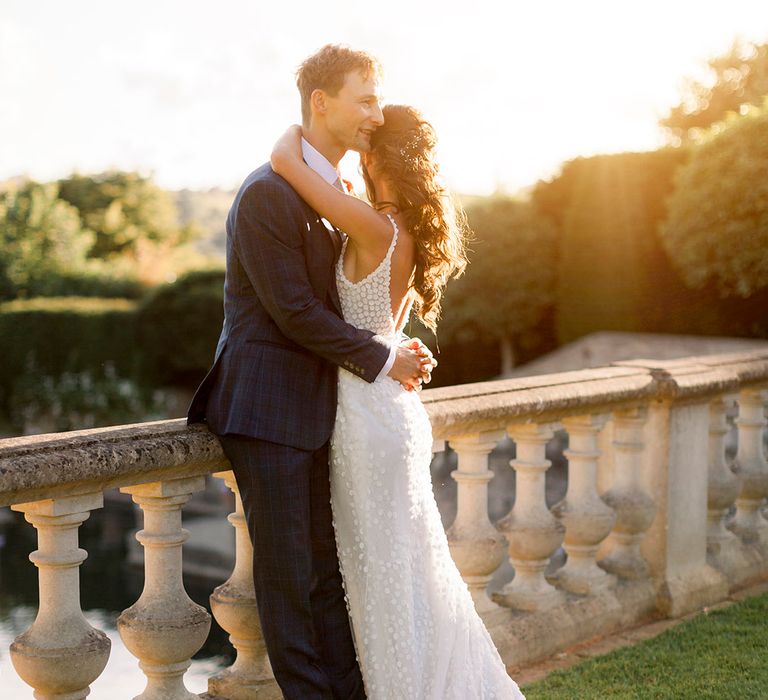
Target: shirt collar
{"x":318,"y":162}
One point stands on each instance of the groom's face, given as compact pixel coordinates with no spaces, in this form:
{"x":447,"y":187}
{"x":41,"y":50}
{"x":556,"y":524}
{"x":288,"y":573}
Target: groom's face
{"x":354,"y":113}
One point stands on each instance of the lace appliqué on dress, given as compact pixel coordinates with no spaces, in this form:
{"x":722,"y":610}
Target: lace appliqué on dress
{"x":417,"y":634}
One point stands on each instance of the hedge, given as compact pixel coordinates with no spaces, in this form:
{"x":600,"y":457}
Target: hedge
{"x":47,"y":337}
{"x":613,"y":272}
{"x":178,"y":326}
{"x":67,"y":334}
{"x":85,"y":284}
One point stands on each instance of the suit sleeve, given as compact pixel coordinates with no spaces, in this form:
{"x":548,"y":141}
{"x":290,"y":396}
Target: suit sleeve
{"x":268,"y":239}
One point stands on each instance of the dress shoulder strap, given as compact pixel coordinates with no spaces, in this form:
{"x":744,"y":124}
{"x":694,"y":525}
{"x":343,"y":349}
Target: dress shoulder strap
{"x":395,"y":231}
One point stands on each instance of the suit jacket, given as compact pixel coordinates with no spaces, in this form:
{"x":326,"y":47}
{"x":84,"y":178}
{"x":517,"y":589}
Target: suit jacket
{"x":274,"y":372}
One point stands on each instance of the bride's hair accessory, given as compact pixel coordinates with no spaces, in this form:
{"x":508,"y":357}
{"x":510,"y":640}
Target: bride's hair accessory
{"x":412,"y":149}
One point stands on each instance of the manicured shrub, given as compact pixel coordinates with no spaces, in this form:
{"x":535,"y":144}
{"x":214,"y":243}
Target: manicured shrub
{"x":614,"y":271}
{"x":85,"y":284}
{"x":178,"y":325}
{"x":506,"y":292}
{"x":48,"y":337}
{"x":611,"y":266}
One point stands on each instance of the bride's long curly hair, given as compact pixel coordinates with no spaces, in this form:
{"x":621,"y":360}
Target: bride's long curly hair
{"x":403,"y":152}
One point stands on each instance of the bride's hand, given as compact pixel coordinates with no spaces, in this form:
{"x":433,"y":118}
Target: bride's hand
{"x":287,"y":147}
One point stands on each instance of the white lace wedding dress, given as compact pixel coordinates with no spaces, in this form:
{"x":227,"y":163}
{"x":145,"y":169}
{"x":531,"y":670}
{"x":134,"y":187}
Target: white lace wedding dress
{"x":416,"y":631}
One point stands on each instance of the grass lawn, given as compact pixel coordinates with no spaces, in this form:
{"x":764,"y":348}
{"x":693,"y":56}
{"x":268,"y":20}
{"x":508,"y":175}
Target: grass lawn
{"x":721,"y":655}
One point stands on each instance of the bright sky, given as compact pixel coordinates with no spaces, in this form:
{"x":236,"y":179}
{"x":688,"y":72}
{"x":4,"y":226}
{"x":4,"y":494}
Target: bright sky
{"x":196,"y":93}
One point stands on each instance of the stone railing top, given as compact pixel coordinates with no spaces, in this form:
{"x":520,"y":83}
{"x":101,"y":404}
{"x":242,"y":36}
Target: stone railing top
{"x":492,"y":405}
{"x":44,"y":466}
{"x":41,"y":466}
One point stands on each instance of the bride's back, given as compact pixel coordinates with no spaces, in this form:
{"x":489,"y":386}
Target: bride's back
{"x":375,"y":287}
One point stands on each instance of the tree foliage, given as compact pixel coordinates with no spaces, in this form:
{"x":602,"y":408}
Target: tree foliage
{"x":717,"y":227}
{"x":41,"y":236}
{"x":124,"y":210}
{"x":737,"y":78}
{"x":507,"y":287}
{"x":105,"y":235}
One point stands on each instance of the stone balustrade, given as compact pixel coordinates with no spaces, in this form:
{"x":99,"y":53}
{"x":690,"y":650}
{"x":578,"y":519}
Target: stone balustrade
{"x":655,"y":520}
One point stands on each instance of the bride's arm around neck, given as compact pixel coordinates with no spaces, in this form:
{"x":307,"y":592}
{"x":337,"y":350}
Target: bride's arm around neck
{"x":360,"y":221}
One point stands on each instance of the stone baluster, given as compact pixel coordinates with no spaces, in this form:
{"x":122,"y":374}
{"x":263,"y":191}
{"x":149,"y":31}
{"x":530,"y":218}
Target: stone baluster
{"x":534,"y":534}
{"x":164,"y":628}
{"x":748,"y":523}
{"x":634,"y":508}
{"x":723,"y":484}
{"x":476,"y":545}
{"x":586,"y":517}
{"x":234,"y":606}
{"x":60,"y":655}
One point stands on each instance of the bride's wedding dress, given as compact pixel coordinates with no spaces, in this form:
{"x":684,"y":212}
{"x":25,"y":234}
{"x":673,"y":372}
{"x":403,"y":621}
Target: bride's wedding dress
{"x":416,"y":631}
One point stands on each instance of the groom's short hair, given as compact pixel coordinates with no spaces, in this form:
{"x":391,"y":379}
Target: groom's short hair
{"x":327,"y":69}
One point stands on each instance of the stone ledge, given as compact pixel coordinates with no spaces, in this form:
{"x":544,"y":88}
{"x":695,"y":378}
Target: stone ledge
{"x":44,"y":466}
{"x":489,"y":405}
{"x":749,"y":367}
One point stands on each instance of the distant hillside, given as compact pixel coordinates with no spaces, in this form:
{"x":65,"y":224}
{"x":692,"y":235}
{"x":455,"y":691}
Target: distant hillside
{"x":206,"y":209}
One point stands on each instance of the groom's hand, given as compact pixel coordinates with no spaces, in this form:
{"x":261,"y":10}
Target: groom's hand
{"x":413,"y":364}
{"x":428,"y":362}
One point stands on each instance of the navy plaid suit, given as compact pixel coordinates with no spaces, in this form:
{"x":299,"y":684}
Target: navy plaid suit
{"x":271,"y":398}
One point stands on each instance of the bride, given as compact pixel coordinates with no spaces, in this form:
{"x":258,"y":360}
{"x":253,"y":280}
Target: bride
{"x":416,"y":631}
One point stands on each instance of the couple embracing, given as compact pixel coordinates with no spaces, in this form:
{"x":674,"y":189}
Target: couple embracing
{"x":314,"y":397}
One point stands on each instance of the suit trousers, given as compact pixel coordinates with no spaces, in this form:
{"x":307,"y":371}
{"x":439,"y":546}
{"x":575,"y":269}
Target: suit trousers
{"x":299,"y":593}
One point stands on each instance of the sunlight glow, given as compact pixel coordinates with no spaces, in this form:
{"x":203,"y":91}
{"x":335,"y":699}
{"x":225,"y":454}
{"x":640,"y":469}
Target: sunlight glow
{"x":197,"y":93}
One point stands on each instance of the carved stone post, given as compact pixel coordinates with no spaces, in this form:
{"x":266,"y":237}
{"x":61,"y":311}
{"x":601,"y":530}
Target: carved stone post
{"x":534,"y":534}
{"x":164,"y":628}
{"x":633,"y":506}
{"x":476,"y":545}
{"x":749,"y":524}
{"x":234,"y":606}
{"x":60,"y":655}
{"x":587,"y":519}
{"x":723,"y":484}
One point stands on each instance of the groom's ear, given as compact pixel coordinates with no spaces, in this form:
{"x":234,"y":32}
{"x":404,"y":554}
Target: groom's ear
{"x":318,"y":101}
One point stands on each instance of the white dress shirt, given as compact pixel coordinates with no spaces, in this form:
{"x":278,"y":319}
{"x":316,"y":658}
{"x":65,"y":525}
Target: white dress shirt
{"x":321,"y":165}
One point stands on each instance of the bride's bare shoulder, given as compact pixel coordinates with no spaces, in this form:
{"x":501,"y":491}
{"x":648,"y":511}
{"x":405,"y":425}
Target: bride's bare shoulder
{"x":403,"y":256}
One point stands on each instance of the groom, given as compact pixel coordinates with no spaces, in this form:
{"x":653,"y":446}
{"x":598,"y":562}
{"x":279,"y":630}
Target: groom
{"x":271,"y":393}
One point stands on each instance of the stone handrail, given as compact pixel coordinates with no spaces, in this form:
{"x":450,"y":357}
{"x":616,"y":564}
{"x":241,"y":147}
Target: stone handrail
{"x":646,"y":523}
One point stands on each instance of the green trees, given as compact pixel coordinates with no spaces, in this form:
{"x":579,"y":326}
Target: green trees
{"x":109,"y":234}
{"x":41,"y":237}
{"x":507,"y":287}
{"x":717,"y":228}
{"x":125,"y":211}
{"x":739,"y":77}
